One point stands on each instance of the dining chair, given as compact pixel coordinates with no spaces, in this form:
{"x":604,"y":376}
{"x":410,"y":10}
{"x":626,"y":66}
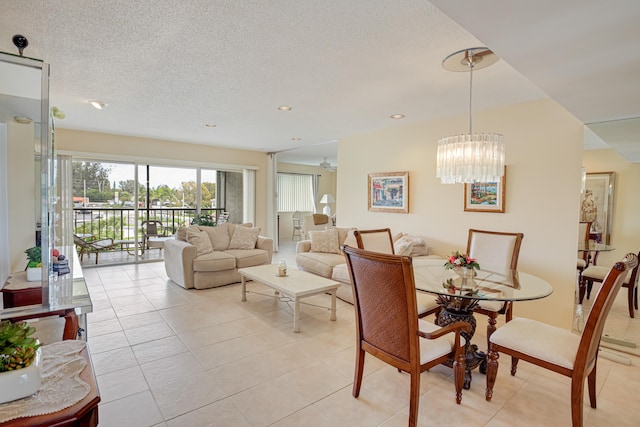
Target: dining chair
{"x":388,"y":327}
{"x":297,"y":225}
{"x":95,"y":246}
{"x":560,"y":350}
{"x":151,"y":229}
{"x":596,"y":273}
{"x":584,"y":229}
{"x":380,"y":240}
{"x":495,"y":251}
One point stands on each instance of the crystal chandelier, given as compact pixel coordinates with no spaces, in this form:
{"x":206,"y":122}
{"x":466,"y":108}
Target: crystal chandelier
{"x":471,"y":157}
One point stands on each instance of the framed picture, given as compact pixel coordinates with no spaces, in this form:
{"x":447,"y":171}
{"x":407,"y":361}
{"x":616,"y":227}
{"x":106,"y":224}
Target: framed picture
{"x":596,"y":204}
{"x":485,"y":196}
{"x":389,"y":192}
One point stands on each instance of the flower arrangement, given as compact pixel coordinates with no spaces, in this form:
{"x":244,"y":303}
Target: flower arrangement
{"x":456,"y":259}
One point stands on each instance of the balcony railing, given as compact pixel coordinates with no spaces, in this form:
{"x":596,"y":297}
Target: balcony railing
{"x":119,"y":223}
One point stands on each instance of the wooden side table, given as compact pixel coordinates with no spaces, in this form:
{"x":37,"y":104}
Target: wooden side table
{"x":82,"y":414}
{"x":18,"y":292}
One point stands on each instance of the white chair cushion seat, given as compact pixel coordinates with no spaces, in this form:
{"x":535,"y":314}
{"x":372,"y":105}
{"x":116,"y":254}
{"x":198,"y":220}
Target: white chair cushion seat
{"x":425,"y":302}
{"x":491,"y":305}
{"x":599,"y":273}
{"x":581,"y":263}
{"x":432,"y":349}
{"x":539,"y":340}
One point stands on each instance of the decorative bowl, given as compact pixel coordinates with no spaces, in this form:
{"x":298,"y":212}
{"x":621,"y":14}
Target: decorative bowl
{"x":21,"y":382}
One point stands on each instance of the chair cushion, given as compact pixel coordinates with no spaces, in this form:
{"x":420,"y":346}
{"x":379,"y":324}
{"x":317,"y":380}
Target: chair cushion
{"x":325,"y":241}
{"x":319,"y":263}
{"x":599,"y":273}
{"x":249,"y":257}
{"x":244,"y":238}
{"x":214,"y":261}
{"x":200,"y":239}
{"x":432,"y":349}
{"x":425,"y":302}
{"x":540,"y":340}
{"x":491,"y":305}
{"x":582,"y":263}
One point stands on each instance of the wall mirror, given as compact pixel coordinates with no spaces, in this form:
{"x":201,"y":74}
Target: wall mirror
{"x":25,"y":150}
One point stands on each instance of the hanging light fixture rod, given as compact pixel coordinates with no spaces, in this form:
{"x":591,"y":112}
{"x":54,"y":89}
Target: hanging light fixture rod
{"x":471,"y":157}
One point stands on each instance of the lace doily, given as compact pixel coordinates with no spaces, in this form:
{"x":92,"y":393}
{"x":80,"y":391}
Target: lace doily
{"x":61,"y":385}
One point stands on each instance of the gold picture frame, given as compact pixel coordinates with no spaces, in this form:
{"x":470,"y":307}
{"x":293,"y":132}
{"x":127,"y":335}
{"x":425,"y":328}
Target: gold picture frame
{"x":388,"y":192}
{"x":485,"y":196}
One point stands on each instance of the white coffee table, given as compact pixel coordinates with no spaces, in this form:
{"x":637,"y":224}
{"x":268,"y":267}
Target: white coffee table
{"x":296,"y":285}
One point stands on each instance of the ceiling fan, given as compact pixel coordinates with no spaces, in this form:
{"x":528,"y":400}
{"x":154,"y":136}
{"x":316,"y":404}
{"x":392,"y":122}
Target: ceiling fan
{"x":327,"y":166}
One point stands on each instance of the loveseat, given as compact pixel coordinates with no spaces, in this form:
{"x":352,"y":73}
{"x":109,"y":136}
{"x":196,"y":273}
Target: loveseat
{"x":204,"y":257}
{"x":321,"y":254}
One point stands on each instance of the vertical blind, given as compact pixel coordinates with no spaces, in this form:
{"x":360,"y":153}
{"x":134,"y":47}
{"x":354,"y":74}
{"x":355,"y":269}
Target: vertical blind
{"x":295,"y":193}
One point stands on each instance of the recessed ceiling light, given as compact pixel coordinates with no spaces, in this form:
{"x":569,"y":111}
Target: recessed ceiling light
{"x":296,"y":139}
{"x":397,"y":116}
{"x":284,"y":108}
{"x":210,"y":125}
{"x":98,"y":105}
{"x":23,"y":119}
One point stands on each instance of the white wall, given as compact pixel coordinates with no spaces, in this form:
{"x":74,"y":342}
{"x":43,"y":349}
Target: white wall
{"x":21,"y":192}
{"x":543,"y":157}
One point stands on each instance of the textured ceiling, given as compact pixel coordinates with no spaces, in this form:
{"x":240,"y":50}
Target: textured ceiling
{"x":168,"y":67}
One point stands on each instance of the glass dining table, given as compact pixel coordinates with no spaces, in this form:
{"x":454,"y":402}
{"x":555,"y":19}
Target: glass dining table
{"x":460,"y":292}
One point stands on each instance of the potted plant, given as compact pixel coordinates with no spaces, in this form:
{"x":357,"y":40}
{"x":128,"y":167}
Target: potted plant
{"x":34,"y":266}
{"x":19,"y":361}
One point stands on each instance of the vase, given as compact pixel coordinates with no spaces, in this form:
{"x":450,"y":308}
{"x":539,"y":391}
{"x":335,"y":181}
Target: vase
{"x":464,"y":272}
{"x":34,"y":274}
{"x":21,"y":382}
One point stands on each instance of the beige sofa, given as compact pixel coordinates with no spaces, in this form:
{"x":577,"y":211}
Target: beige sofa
{"x":204,"y":257}
{"x":332,"y":264}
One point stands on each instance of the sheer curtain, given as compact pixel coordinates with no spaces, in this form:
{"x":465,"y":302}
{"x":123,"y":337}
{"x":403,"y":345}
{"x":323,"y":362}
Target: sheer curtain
{"x":315,"y":184}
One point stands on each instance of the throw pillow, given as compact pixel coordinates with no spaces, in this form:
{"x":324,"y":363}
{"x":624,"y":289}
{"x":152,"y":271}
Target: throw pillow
{"x":181,"y":234}
{"x":200,"y":239}
{"x":244,"y":238}
{"x":402,"y":247}
{"x":219,"y":236}
{"x":325,"y":241}
{"x":419,"y":246}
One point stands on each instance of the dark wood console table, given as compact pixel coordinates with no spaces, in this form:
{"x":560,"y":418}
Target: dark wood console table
{"x":82,"y":414}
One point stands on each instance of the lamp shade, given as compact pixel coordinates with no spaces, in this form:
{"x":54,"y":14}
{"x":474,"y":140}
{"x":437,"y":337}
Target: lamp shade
{"x":327,"y":198}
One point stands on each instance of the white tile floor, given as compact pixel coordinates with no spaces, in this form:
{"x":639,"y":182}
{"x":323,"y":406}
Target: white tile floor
{"x":166,"y":356}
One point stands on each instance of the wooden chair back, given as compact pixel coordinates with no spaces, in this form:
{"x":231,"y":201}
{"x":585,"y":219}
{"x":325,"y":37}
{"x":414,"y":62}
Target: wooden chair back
{"x":594,"y":325}
{"x":495,"y":250}
{"x":378,"y":240}
{"x":385,"y":306}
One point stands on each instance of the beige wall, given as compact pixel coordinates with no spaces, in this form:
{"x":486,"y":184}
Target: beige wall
{"x":326,"y":184}
{"x":543,"y":156}
{"x":625,"y":233}
{"x":148,"y":150}
{"x":21,"y":192}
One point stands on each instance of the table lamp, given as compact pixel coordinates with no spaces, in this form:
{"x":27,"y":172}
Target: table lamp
{"x":326,"y":199}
